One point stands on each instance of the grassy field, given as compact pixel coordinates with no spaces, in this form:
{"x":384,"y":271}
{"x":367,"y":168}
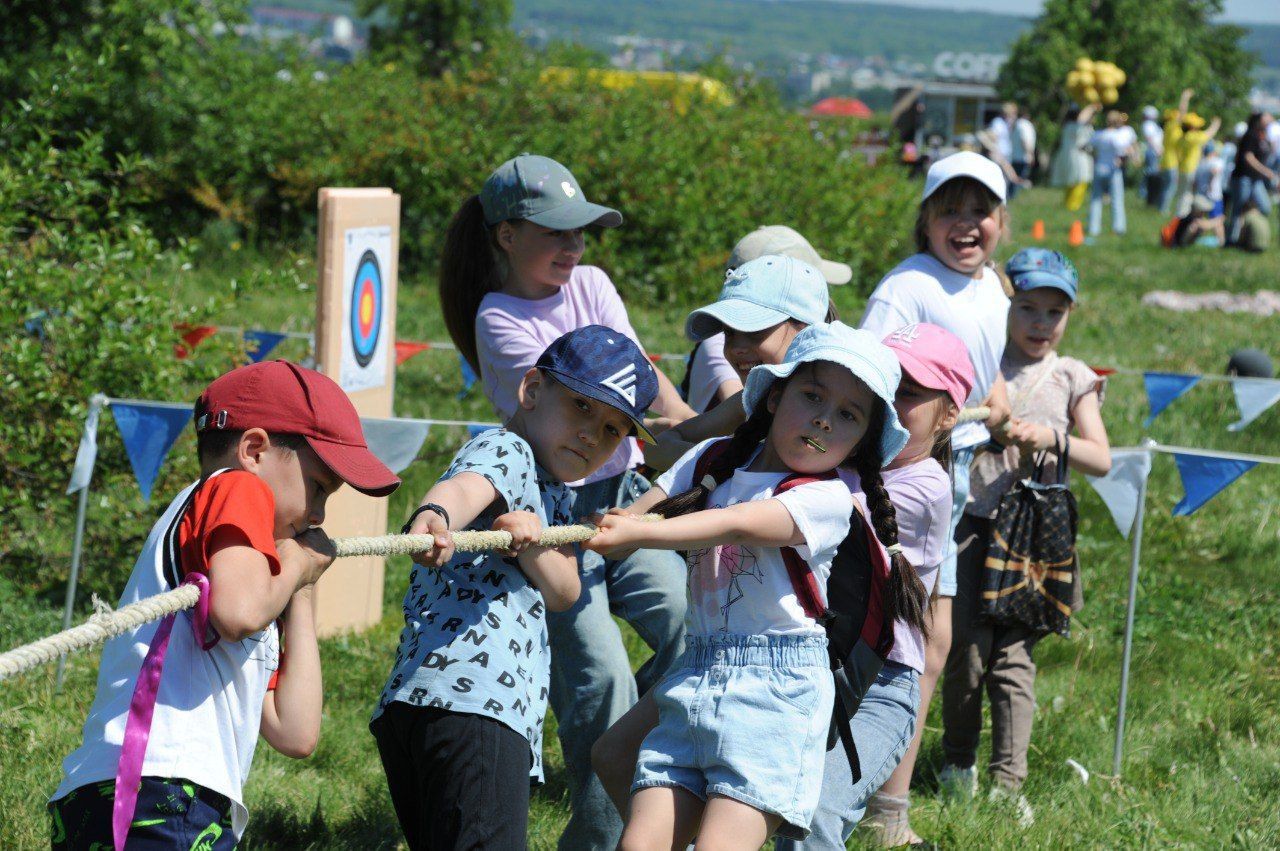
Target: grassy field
{"x":1202,"y":764}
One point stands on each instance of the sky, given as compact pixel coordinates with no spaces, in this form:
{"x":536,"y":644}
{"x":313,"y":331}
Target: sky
{"x":1239,"y":11}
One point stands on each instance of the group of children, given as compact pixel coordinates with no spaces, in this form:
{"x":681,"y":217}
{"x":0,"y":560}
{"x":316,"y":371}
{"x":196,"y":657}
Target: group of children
{"x":801,"y":440}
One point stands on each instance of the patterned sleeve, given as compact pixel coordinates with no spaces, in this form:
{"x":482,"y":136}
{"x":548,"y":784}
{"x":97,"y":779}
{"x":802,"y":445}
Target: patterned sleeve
{"x":506,"y":461}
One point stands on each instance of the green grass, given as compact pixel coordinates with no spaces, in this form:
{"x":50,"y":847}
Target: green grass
{"x":1203,"y":747}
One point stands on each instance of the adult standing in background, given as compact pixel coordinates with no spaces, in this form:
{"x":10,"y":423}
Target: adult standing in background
{"x":1072,"y":167}
{"x":1172,"y":149}
{"x":1252,"y":178}
{"x":1023,"y":144}
{"x":1001,"y":134}
{"x":1111,"y":145}
{"x":1153,"y":137}
{"x":1190,"y":150}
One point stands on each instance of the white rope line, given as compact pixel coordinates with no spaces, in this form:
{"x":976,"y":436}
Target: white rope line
{"x":970,"y":415}
{"x":108,"y":624}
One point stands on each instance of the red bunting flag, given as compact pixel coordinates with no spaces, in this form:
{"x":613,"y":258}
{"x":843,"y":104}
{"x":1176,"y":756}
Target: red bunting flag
{"x":1103,"y":371}
{"x":192,"y":336}
{"x":406,"y":350}
{"x":655,"y":358}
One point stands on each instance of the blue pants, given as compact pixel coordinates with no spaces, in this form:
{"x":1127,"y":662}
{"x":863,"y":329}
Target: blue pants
{"x":961,"y":460}
{"x":1243,"y":190}
{"x":1112,"y":183}
{"x":882,"y":730}
{"x":591,"y":681}
{"x":1168,"y":186}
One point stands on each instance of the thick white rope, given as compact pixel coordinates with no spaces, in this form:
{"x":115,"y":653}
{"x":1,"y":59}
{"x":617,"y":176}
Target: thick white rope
{"x":969,"y":415}
{"x":108,"y":624}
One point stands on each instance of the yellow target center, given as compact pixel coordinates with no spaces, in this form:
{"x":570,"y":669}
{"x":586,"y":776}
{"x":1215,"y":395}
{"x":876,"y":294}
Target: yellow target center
{"x":366,"y":309}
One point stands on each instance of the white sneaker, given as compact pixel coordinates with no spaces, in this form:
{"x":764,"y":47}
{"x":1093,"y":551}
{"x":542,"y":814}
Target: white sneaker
{"x":1016,"y":801}
{"x":958,"y":784}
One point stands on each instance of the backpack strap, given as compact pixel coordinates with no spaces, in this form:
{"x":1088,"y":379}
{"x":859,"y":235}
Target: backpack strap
{"x":803,"y":581}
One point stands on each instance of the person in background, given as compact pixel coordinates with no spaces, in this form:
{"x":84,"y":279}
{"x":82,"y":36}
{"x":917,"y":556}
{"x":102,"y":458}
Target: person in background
{"x":1252,"y":178}
{"x":1153,"y":139}
{"x":1072,"y":167}
{"x":1172,"y":147}
{"x":1112,"y":145}
{"x":1001,"y":132}
{"x":1208,"y":178}
{"x":1230,"y":147}
{"x":1190,"y":150}
{"x":1023,"y":143}
{"x":1250,"y":363}
{"x":1201,"y":226}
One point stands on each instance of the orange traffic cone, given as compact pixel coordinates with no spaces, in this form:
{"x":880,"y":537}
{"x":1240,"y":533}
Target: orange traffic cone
{"x":1037,"y":230}
{"x":1076,"y":236}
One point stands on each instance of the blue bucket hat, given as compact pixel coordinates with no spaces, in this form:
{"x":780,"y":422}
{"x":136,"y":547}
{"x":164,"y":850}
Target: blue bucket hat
{"x":760,"y":294}
{"x":606,"y":365}
{"x":1032,"y":268}
{"x":544,"y":192}
{"x":870,"y":361}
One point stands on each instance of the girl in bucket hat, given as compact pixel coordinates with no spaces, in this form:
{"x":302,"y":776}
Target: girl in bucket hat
{"x":755,"y":649}
{"x":511,"y":284}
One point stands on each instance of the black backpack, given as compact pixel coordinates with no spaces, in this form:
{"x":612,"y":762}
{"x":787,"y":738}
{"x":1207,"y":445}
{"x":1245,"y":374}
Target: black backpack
{"x":859,"y":636}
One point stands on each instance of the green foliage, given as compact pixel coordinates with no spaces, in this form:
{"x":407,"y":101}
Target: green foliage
{"x":1163,"y":46}
{"x":436,"y":35}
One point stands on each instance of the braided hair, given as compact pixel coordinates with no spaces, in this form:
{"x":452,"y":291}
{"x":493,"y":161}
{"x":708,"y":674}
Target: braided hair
{"x":905,"y":596}
{"x":746,"y":438}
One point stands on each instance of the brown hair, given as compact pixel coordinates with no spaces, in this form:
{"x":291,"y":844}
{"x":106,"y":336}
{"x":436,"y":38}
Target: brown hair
{"x":954,"y":193}
{"x":470,"y":269}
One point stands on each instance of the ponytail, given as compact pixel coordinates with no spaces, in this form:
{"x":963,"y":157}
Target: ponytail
{"x":468,"y":272}
{"x":746,"y":438}
{"x":905,"y":596}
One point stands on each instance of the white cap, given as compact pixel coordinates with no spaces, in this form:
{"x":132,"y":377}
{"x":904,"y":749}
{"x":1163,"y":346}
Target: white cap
{"x":965,"y":164}
{"x":1240,"y":128}
{"x":780,"y":239}
{"x":1150,"y":113}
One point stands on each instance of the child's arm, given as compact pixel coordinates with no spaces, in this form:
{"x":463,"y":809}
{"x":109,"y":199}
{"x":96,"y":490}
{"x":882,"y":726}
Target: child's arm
{"x":291,"y":711}
{"x":998,"y":401}
{"x":1090,"y":450}
{"x":668,"y":403}
{"x":1214,"y":126}
{"x":464,"y":496}
{"x":552,"y":570}
{"x":762,"y":523}
{"x":244,"y":596}
{"x":675,"y":442}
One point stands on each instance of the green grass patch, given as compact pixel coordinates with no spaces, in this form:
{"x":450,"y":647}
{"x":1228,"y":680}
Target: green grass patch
{"x":1203,"y":747}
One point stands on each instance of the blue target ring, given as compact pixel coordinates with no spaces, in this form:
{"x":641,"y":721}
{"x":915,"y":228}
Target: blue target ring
{"x":366,"y":308}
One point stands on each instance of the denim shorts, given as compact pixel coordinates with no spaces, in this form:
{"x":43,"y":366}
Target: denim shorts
{"x":745,"y":717}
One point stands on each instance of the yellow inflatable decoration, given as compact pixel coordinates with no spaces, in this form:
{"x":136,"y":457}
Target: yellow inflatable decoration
{"x":1095,"y":82}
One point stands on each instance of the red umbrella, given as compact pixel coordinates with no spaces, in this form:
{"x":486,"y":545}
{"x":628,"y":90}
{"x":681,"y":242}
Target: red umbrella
{"x":842,"y":107}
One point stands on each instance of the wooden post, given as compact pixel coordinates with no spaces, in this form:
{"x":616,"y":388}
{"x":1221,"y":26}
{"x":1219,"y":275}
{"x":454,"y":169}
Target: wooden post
{"x":358,"y":264}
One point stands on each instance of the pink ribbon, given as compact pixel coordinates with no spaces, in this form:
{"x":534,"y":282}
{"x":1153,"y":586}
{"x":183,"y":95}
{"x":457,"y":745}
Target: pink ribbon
{"x":138,"y":728}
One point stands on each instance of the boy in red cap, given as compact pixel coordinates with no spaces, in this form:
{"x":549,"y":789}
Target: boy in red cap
{"x":167,"y":747}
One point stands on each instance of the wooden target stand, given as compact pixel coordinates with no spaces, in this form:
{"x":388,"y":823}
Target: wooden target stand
{"x":358,"y":261}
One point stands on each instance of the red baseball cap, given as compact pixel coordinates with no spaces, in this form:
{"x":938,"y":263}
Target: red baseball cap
{"x":279,"y":396}
{"x":934,"y":358}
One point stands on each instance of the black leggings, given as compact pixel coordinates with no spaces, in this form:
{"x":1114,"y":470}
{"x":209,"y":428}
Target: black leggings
{"x":457,"y":780}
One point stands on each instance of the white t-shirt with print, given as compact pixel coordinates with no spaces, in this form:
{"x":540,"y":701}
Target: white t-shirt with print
{"x":923,"y":289}
{"x":746,"y":590}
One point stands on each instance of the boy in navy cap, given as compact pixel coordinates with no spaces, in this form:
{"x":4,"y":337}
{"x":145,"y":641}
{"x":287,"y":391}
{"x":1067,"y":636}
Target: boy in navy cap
{"x":181,"y":702}
{"x":459,"y":721}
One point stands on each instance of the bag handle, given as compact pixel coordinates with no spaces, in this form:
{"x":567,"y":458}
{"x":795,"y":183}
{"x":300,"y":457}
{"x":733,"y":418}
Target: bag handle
{"x":1063,"y":451}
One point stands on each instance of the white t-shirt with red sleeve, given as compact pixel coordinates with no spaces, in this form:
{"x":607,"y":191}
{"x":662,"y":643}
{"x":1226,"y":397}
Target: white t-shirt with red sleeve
{"x":513,"y":332}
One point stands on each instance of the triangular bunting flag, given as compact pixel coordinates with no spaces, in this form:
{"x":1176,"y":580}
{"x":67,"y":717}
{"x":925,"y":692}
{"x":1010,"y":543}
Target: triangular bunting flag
{"x":1119,"y":489}
{"x":406,"y":350}
{"x":394,"y":442}
{"x":149,"y":430}
{"x":1103,"y":371}
{"x":1163,"y":388}
{"x":469,"y":377}
{"x":87,"y":454}
{"x":477,"y":428}
{"x":1253,"y":397}
{"x":192,"y":336}
{"x":261,"y":343}
{"x":1204,"y":476}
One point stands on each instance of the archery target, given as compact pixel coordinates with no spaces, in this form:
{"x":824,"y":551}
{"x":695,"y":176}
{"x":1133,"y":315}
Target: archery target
{"x":366,"y":308}
{"x":365,"y":335}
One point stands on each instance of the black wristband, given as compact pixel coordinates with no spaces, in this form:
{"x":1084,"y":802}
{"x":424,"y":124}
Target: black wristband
{"x":430,"y":506}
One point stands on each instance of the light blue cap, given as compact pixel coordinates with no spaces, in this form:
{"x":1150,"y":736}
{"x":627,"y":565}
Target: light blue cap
{"x":858,"y":351}
{"x":761,"y":293}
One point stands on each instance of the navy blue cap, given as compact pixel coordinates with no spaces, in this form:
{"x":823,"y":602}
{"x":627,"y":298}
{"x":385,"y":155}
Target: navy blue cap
{"x":1032,"y":268}
{"x":607,"y":366}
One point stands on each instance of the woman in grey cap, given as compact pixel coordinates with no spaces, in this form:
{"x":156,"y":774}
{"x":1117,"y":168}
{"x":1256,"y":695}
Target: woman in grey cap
{"x":510,"y":284}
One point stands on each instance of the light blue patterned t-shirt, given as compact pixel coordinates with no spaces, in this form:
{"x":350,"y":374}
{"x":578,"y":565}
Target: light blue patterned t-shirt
{"x":475,"y":634}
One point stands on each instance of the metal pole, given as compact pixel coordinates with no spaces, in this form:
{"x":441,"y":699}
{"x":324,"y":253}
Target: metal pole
{"x":90,"y":440}
{"x":1135,"y":553}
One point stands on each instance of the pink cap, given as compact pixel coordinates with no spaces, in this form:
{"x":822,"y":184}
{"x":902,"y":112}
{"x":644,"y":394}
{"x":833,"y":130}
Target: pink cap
{"x":934,"y":358}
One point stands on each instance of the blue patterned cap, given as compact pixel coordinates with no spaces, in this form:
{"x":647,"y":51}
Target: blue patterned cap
{"x":1032,"y":268}
{"x":858,"y":351}
{"x":606,"y":365}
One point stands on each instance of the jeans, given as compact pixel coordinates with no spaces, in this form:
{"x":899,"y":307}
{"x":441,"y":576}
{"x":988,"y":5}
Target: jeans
{"x":882,"y":730}
{"x":591,"y":680}
{"x":961,"y":461}
{"x":1243,"y":190}
{"x":1102,"y":184}
{"x":1168,"y":186}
